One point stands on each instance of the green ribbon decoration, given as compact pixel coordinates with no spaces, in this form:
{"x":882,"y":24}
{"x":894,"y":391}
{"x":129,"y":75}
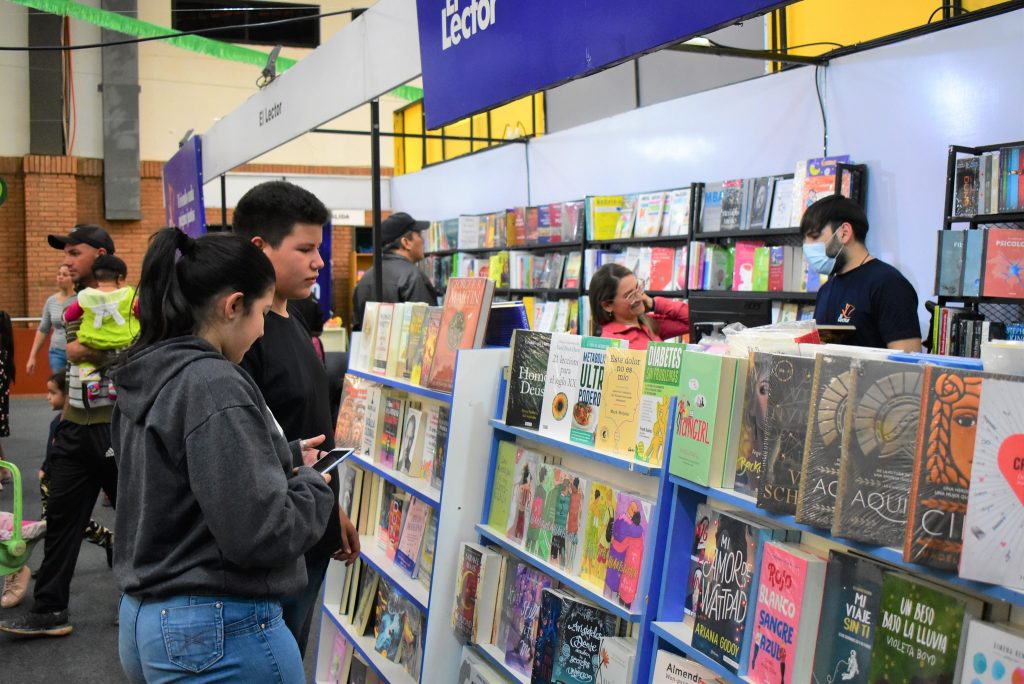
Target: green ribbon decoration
{"x":143,"y":29}
{"x":206,"y":46}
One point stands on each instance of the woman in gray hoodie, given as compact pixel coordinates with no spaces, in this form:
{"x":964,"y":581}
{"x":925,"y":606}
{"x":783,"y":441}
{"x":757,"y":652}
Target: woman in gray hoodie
{"x":212,"y":520}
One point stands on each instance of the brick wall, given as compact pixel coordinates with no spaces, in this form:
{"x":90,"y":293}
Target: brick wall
{"x":52,"y":194}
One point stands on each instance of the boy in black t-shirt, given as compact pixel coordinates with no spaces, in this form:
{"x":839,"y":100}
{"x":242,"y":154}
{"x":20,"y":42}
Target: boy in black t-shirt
{"x":861,"y":291}
{"x":286,"y":222}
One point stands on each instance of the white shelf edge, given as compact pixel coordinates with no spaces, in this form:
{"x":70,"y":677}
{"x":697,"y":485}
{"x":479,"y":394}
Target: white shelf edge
{"x":396,"y":383}
{"x":390,"y":671}
{"x":412,"y":588}
{"x":496,"y":659}
{"x":416,"y":486}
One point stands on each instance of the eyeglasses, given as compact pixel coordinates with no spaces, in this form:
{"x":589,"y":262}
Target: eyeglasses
{"x":636,"y":294}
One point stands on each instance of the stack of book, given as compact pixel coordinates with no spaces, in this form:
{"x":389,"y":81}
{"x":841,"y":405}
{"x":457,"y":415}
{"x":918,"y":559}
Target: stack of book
{"x":661,"y":268}
{"x":650,"y":214}
{"x":884,"y":452}
{"x":990,"y":183}
{"x":751,"y":266}
{"x":543,"y":224}
{"x":418,"y":343}
{"x":535,"y":628}
{"x":400,"y":432}
{"x":585,"y":390}
{"x":563,"y":518}
{"x":552,"y":316}
{"x":371,"y":605}
{"x":980,"y":262}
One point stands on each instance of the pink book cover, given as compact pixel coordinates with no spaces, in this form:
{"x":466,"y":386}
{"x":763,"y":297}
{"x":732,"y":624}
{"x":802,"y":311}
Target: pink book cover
{"x":662,"y":259}
{"x":777,"y":621}
{"x":743,"y":266}
{"x":776,"y":269}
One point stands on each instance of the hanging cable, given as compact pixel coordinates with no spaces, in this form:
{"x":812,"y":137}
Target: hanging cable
{"x":177,"y":34}
{"x":818,"y":72}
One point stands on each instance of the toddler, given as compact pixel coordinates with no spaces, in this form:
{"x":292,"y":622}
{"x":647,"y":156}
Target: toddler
{"x":109,"y":322}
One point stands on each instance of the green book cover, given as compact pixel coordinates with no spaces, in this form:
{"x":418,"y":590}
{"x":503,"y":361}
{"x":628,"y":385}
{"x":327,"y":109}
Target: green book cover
{"x":662,"y":380}
{"x":587,"y":404}
{"x":501,"y":489}
{"x":538,"y":539}
{"x":918,"y":635}
{"x":760,"y":282}
{"x":696,"y":424}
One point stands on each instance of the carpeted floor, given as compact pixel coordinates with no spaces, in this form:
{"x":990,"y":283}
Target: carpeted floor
{"x":89,"y":654}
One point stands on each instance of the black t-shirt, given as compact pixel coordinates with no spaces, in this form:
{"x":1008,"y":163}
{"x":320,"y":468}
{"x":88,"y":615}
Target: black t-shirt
{"x":876,"y":299}
{"x":294,"y":384}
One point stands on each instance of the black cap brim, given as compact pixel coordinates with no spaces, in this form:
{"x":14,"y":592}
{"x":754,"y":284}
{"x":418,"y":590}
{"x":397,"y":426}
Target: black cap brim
{"x":420,"y":226}
{"x":59,"y":241}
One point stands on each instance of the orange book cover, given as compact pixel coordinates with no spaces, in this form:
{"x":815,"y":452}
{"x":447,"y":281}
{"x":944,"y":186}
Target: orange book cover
{"x":467,"y":303}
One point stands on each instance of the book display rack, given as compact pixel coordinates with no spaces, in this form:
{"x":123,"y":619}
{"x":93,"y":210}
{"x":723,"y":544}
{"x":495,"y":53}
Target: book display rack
{"x":452,"y":506}
{"x":979,"y":295}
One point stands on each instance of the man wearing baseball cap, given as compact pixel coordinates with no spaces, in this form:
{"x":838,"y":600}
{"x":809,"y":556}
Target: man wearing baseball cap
{"x":400,"y":235}
{"x":81,"y":460}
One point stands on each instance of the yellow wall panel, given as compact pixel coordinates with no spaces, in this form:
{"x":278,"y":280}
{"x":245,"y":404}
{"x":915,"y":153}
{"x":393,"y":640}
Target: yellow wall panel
{"x":849,"y":23}
{"x":456,"y":148}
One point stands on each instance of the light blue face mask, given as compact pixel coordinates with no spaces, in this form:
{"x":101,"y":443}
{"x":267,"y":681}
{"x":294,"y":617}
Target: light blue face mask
{"x":817,"y":256}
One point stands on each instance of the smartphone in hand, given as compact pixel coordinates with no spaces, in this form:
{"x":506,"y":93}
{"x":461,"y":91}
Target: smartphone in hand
{"x":331,"y":460}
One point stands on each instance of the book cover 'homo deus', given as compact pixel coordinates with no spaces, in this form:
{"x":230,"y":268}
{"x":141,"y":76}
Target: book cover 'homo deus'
{"x":526,"y":378}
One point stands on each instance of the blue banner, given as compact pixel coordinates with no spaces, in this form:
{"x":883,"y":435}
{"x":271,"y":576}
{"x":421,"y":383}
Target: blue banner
{"x":476,"y":55}
{"x":183,"y":189}
{"x":323,"y":290}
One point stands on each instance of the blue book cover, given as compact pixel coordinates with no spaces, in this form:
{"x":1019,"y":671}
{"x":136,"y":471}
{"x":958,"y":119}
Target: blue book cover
{"x":846,"y":632}
{"x":973,"y":249}
{"x":547,"y":636}
{"x":949,"y":276}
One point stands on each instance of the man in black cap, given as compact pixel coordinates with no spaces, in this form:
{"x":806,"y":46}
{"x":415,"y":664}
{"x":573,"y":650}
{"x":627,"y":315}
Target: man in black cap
{"x":81,"y":460}
{"x":402,"y":242}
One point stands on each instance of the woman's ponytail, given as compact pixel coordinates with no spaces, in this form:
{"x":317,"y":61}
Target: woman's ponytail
{"x":175,"y":293}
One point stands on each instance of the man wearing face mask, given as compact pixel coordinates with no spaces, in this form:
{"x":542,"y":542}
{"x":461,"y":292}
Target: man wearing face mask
{"x":861,"y":291}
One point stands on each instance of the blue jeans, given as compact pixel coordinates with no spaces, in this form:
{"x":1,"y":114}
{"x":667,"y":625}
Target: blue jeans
{"x":58,"y":360}
{"x":206,"y":638}
{"x":299,"y":608}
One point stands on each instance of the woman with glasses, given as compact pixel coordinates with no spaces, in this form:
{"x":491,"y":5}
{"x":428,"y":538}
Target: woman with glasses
{"x":620,"y":308}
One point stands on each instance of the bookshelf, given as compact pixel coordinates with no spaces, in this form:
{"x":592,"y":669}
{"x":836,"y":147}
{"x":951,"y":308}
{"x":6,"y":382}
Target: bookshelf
{"x":591,"y":463}
{"x":773,"y":237}
{"x":455,"y":506}
{"x":998,"y":309}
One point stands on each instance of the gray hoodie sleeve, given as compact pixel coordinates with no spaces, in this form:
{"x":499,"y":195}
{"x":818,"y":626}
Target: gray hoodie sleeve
{"x":258,"y":516}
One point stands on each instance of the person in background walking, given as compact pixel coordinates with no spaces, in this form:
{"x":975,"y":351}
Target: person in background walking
{"x":53,"y":319}
{"x":6,"y":378}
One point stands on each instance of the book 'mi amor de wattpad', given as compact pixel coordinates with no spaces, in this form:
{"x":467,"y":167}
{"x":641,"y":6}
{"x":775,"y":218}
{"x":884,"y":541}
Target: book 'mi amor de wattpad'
{"x":993,"y":548}
{"x":527,"y":374}
{"x":878,"y":454}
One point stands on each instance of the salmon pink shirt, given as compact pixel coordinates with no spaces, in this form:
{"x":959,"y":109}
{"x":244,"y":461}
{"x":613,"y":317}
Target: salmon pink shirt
{"x":673,"y":319}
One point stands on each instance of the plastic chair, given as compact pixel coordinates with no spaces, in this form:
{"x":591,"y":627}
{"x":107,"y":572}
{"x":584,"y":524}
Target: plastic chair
{"x":15,"y":552}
